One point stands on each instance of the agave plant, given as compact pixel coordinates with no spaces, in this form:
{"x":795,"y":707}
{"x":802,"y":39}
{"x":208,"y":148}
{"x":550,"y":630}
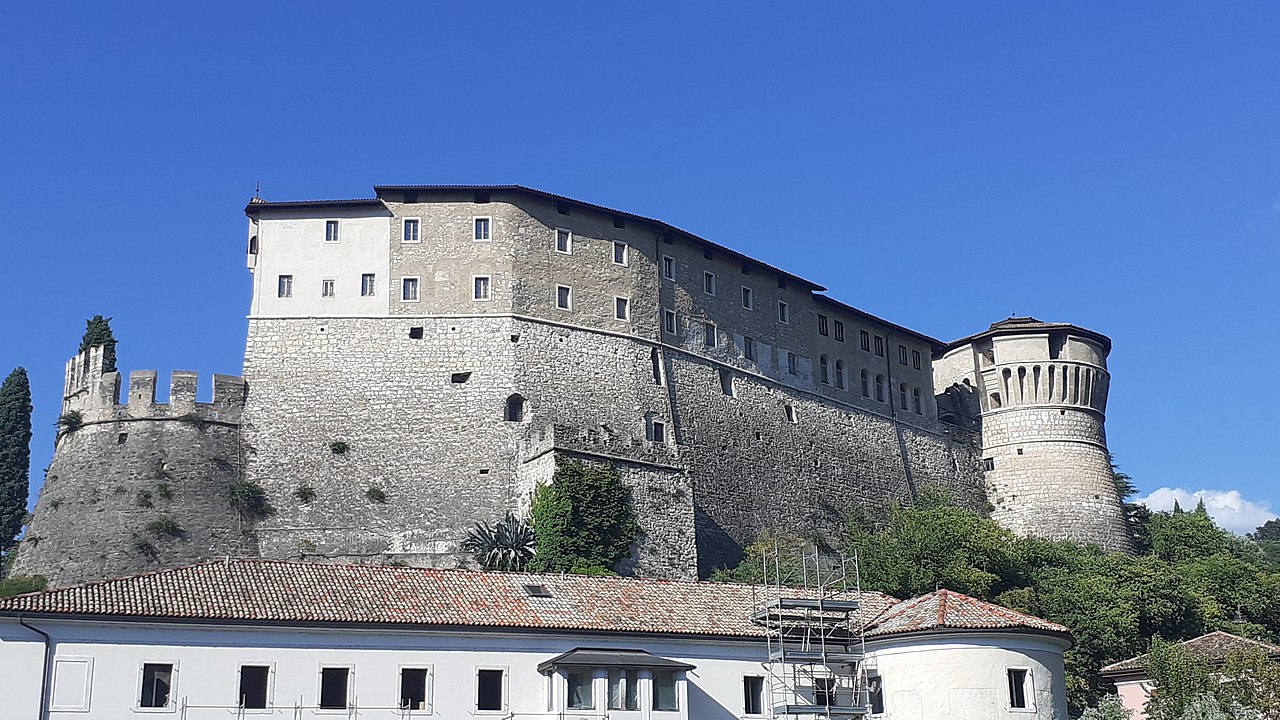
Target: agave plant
{"x":508,"y":545}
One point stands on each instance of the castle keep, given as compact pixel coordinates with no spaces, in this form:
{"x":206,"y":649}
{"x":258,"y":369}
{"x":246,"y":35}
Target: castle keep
{"x":417,"y":361}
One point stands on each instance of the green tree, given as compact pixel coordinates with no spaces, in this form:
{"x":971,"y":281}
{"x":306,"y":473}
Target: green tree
{"x":1268,"y":538}
{"x":1180,"y":680}
{"x":584,"y":521}
{"x":1110,"y":707}
{"x":98,"y":332}
{"x":507,"y":545}
{"x":15,"y":456}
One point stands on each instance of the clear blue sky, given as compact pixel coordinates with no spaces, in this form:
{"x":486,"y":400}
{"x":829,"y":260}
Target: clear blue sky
{"x":940,"y":164}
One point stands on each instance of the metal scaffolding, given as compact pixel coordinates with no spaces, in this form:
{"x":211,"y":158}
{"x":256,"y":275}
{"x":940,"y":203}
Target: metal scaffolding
{"x":814,"y":639}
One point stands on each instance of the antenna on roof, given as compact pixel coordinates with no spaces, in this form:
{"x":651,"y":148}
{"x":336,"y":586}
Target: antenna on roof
{"x":257,"y":191}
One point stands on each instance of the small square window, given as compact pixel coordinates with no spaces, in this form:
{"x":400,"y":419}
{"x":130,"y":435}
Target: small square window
{"x":621,"y":308}
{"x":823,"y":328}
{"x":709,"y":334}
{"x":331,"y":231}
{"x":792,"y":364}
{"x":839,"y":328}
{"x":409,"y":289}
{"x":328,"y":288}
{"x":865,"y":338}
{"x":410,"y":234}
{"x":481,"y":233}
{"x":748,"y":301}
{"x":564,"y":297}
{"x":915,"y":359}
{"x":481,"y":287}
{"x":284,"y":286}
{"x":415,"y":333}
{"x":749,"y":348}
{"x":619,"y":253}
{"x":709,"y":283}
{"x":668,"y":267}
{"x":784,"y":312}
{"x":157,"y":685}
{"x":988,"y":464}
{"x":564,"y":241}
{"x":368,"y":285}
{"x":669,"y":321}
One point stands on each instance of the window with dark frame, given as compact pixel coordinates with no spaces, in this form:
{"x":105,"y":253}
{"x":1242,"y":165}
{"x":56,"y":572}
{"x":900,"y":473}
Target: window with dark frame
{"x":624,"y":689}
{"x":709,"y":334}
{"x":824,"y":692}
{"x":254,"y":680}
{"x":875,"y":694}
{"x":879,"y":346}
{"x":657,"y":431}
{"x":564,"y":241}
{"x":839,"y":331}
{"x":334,"y":683}
{"x":481,"y":233}
{"x":284,"y":286}
{"x":709,"y":282}
{"x":784,"y":314}
{"x":578,"y":685}
{"x":1017,"y":688}
{"x":915,"y":359}
{"x":665,"y":698}
{"x":668,"y":267}
{"x":331,"y":231}
{"x":749,"y":348}
{"x":489,"y":689}
{"x":368,"y":284}
{"x":902,"y":354}
{"x":747,"y":300}
{"x":413,"y":688}
{"x":328,"y":288}
{"x":752,"y":695}
{"x":619,"y":253}
{"x":792,"y":364}
{"x":669,"y":321}
{"x":822,"y":325}
{"x":409,"y":289}
{"x":410,"y":234}
{"x":564,"y":297}
{"x":622,"y":308}
{"x":865,"y":338}
{"x":157,"y":685}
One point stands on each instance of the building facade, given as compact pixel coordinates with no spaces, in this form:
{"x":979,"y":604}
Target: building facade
{"x":260,"y":638}
{"x":416,"y":362}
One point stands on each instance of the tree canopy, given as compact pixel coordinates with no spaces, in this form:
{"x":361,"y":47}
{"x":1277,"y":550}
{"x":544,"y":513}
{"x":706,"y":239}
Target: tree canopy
{"x":583,"y":521}
{"x":98,"y":332}
{"x":15,"y":456}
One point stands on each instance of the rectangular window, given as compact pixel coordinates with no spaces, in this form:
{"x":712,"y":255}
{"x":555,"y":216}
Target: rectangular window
{"x":284,"y":286}
{"x":824,"y":692}
{"x":410,"y":234}
{"x":619,"y":253}
{"x":579,"y":690}
{"x":753,"y":695}
{"x":875,"y":694}
{"x":489,"y":690}
{"x":413,"y":688}
{"x":784,"y":312}
{"x":328,"y":288}
{"x":334,"y":684}
{"x":331,"y":231}
{"x":790,"y":412}
{"x":749,"y":348}
{"x":709,"y":334}
{"x":367,"y":285}
{"x":564,"y":241}
{"x":624,"y":689}
{"x":839,"y":331}
{"x":254,"y":680}
{"x":664,"y":691}
{"x":865,"y":337}
{"x":823,"y":328}
{"x":157,"y":685}
{"x":658,"y":431}
{"x":1017,"y":688}
{"x":902,"y":354}
{"x":748,"y":302}
{"x":879,"y":346}
{"x":988,"y":463}
{"x":669,"y":321}
{"x":480,"y":290}
{"x":915,"y":359}
{"x":792,"y":364}
{"x":481,"y":233}
{"x":709,"y":283}
{"x":409,"y":289}
{"x":564,"y":297}
{"x":621,"y":308}
{"x":668,"y":267}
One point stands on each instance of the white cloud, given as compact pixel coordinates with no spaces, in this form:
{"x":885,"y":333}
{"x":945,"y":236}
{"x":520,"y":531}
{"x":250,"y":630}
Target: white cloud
{"x":1227,"y":507}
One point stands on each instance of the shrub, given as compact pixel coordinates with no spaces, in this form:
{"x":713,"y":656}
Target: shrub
{"x":164,"y":490}
{"x":22,"y":584}
{"x":584,"y":521}
{"x":70,"y":421}
{"x":165,"y":527}
{"x":375,"y":494}
{"x":143,"y":547}
{"x":143,"y":499}
{"x":305,"y":493}
{"x":508,"y":545}
{"x":249,"y":499}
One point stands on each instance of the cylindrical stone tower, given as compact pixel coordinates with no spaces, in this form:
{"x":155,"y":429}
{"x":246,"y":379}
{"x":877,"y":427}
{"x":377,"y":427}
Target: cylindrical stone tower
{"x":1038,"y":392}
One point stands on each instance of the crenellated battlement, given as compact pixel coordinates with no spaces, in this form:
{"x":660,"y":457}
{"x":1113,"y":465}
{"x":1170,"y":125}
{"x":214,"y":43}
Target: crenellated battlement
{"x":95,"y":393}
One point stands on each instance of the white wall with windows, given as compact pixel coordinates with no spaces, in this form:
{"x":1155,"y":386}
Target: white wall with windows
{"x":327,"y":259}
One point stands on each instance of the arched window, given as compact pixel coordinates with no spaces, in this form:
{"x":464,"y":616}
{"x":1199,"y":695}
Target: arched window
{"x":515,"y":408}
{"x":880,"y":388}
{"x":902,"y":396}
{"x":840,"y":374}
{"x":824,"y":370}
{"x":253,"y":245}
{"x":915,"y":401}
{"x":866,"y":385}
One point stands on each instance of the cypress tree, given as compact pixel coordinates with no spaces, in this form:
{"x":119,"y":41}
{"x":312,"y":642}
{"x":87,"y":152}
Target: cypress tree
{"x":98,"y":332}
{"x":15,"y":455}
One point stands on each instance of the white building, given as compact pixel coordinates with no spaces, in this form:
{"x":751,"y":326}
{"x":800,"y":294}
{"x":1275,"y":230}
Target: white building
{"x":256,"y":638}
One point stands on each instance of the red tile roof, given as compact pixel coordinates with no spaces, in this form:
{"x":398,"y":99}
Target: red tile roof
{"x":271,"y":591}
{"x":950,"y":610}
{"x":1211,"y":648}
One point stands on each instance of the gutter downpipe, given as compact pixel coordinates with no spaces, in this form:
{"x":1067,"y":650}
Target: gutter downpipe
{"x":897,"y":427}
{"x":44,"y":675}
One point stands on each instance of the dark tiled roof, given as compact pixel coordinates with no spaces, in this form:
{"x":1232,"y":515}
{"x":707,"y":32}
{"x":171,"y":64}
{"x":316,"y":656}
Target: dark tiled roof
{"x":256,"y":205}
{"x":1211,"y":648}
{"x":950,"y":610}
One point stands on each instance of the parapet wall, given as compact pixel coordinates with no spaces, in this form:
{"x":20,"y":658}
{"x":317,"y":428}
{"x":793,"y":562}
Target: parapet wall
{"x":95,"y":394}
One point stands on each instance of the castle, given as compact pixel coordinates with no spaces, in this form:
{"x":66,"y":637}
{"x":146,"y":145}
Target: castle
{"x":417,"y":362}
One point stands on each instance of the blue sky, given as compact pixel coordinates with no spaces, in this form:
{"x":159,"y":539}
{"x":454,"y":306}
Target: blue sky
{"x":940,"y":164}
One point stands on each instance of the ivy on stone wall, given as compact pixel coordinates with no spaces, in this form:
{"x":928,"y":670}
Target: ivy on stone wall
{"x":584,"y":520}
{"x":98,"y":332}
{"x":15,"y":455}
